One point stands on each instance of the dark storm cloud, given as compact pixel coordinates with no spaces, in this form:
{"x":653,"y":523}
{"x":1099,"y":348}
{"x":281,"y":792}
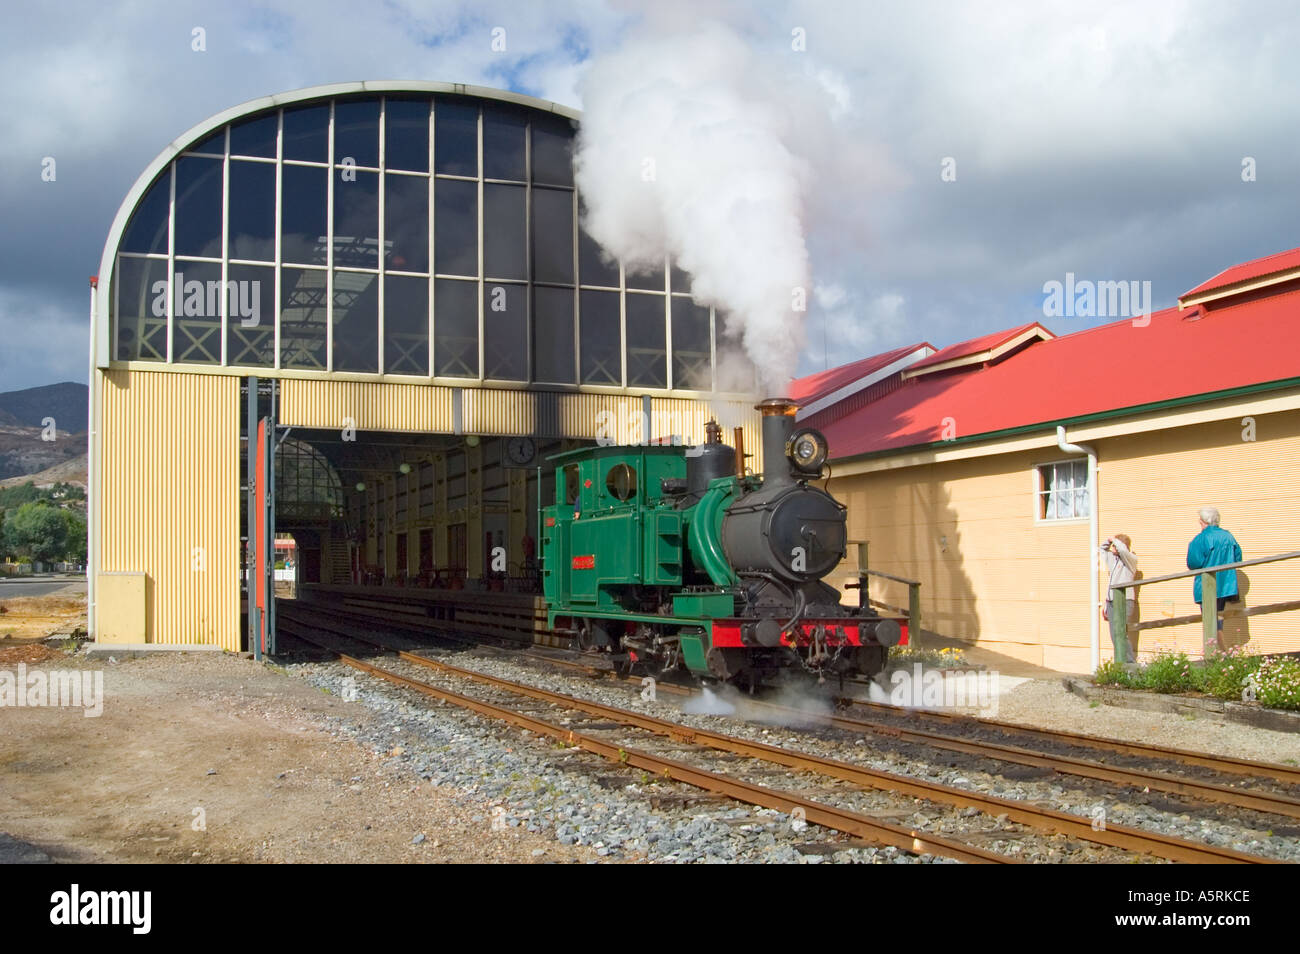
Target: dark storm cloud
{"x":1103,"y":139}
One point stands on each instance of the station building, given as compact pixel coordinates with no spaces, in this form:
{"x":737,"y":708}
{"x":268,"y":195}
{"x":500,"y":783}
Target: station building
{"x":989,"y":471}
{"x":385,"y":285}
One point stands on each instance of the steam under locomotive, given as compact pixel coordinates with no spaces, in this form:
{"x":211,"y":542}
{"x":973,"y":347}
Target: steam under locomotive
{"x":673,"y":556}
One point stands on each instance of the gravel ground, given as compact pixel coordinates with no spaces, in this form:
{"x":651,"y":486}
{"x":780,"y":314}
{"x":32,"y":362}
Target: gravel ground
{"x":1199,"y":823}
{"x":203,"y":757}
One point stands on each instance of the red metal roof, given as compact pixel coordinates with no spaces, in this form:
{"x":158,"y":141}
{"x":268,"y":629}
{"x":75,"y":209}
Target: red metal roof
{"x":814,"y":387}
{"x":1107,"y":368}
{"x":1258,"y":268}
{"x":964,"y":349}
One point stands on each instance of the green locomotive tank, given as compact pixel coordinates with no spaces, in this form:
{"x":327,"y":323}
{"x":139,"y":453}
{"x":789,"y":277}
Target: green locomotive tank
{"x":666,"y":555}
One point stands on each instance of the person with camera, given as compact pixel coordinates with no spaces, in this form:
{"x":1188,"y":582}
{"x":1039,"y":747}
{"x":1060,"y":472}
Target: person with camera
{"x":1122,"y":565}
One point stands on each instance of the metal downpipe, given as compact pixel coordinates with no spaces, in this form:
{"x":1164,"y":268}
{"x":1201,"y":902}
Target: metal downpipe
{"x":1094,"y":587}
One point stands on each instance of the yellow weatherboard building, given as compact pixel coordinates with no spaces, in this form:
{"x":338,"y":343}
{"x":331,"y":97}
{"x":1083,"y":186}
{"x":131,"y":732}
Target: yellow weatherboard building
{"x":992,"y":470}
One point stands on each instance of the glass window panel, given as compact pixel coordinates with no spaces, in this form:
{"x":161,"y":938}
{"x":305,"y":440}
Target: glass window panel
{"x":504,"y":134}
{"x":681,"y":280}
{"x":255,"y":137}
{"x":196,"y":314}
{"x":406,"y":325}
{"x":356,"y":131}
{"x":595,"y":267}
{"x":505,"y":332}
{"x":306,"y":133}
{"x":647,"y":364}
{"x":252,"y":211}
{"x":455,"y":138}
{"x":213,"y":144}
{"x":651,"y":279}
{"x":553,"y":335}
{"x":147,"y":230}
{"x":303,"y":211}
{"x":356,"y":218}
{"x":692,"y":363}
{"x":553,"y":150}
{"x":356,"y":321}
{"x":140,"y":292}
{"x":302,"y":318}
{"x":406,"y":134}
{"x":553,"y":235}
{"x":503,"y":231}
{"x":601,"y":340}
{"x":406,"y":223}
{"x":455,"y":328}
{"x":250,"y":332}
{"x":198,"y":207}
{"x":455,"y":227}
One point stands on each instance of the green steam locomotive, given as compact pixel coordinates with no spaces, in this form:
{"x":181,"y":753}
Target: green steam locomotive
{"x":669,"y":555}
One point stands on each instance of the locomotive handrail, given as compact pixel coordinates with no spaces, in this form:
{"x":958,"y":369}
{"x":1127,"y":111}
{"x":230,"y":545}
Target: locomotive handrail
{"x":896,"y":579}
{"x":913,"y":611}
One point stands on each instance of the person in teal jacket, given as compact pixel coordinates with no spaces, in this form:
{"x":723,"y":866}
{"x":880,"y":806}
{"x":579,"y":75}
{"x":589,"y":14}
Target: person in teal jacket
{"x":1214,"y":546}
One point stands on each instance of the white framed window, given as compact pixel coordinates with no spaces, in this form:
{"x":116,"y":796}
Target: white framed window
{"x":1062,"y":490}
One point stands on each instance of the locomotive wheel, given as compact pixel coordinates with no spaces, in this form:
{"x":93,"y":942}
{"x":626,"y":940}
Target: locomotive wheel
{"x":593,"y":636}
{"x":871,"y":659}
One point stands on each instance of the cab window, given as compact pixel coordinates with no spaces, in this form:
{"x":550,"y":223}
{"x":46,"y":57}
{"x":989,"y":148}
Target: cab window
{"x":571,"y":484}
{"x":621,"y":482}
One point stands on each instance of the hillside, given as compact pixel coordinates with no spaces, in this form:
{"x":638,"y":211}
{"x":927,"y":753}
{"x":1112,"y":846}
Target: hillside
{"x":23,"y":453}
{"x":71,"y":471}
{"x":65,"y":402}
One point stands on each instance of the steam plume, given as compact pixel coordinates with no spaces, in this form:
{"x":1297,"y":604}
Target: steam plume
{"x":695,"y":146}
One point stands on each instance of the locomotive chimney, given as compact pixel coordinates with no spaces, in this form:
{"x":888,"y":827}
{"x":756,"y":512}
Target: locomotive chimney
{"x":778,"y":422}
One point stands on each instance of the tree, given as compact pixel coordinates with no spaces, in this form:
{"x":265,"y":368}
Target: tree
{"x":75,"y":548}
{"x":23,"y":493}
{"x":39,"y":531}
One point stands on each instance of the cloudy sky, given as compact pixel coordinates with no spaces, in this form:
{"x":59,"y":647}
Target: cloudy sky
{"x":975,"y":151}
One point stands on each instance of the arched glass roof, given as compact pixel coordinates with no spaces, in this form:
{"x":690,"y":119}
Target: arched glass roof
{"x":416,"y":233}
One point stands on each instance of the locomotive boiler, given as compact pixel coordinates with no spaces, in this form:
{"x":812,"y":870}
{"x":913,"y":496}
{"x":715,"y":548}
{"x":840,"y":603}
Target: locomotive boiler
{"x":676,"y":558}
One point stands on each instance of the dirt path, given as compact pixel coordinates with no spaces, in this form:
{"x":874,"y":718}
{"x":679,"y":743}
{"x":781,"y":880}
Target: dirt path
{"x":211,"y":757}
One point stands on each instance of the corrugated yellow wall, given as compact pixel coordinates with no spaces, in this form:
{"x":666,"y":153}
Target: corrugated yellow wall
{"x":370,"y":406}
{"x":373,"y":406}
{"x":169,"y":498}
{"x":991,"y":572}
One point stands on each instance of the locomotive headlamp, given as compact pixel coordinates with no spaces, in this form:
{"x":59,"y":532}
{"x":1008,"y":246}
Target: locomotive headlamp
{"x":806,"y":450}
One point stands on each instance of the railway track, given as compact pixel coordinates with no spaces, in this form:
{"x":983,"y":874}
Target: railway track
{"x":888,"y":721}
{"x":853,"y":823}
{"x":1226,"y":765}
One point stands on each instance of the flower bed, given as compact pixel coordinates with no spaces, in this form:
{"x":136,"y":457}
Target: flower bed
{"x":1272,"y":681}
{"x":903,"y":657}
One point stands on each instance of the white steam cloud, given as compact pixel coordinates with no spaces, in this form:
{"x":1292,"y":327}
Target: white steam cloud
{"x":697,"y":145}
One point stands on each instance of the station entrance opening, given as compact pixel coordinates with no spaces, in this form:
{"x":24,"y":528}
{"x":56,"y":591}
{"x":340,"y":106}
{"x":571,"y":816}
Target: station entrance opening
{"x":386,"y":509}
